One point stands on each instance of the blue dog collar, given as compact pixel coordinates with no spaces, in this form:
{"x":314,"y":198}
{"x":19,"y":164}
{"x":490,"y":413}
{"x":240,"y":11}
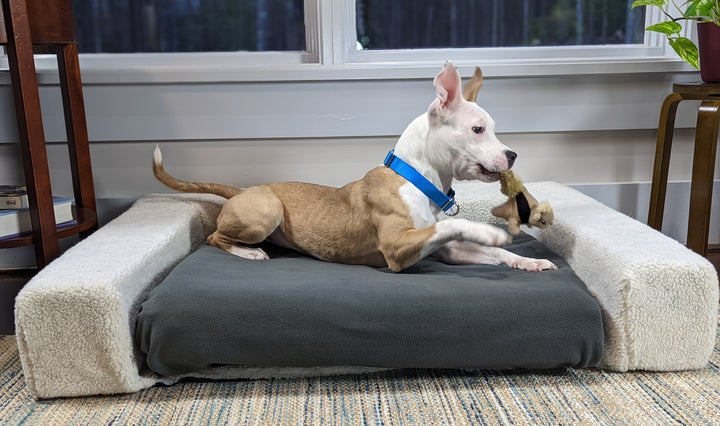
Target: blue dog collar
{"x":445,"y":201}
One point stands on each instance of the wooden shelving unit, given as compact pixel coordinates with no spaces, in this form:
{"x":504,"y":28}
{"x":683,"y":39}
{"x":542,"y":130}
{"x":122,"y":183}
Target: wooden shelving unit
{"x":86,"y":220}
{"x":47,"y":26}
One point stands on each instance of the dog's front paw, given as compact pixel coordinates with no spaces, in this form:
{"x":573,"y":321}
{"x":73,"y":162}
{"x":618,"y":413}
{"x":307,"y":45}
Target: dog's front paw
{"x":533,"y":265}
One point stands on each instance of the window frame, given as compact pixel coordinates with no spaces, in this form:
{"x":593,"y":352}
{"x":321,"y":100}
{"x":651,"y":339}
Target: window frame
{"x":331,"y":55}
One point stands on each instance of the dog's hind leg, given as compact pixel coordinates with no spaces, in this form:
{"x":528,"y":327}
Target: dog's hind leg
{"x":252,"y":253}
{"x":247,"y":218}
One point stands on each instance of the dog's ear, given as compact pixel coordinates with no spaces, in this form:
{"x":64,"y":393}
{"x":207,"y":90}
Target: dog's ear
{"x":447,"y":89}
{"x":472,"y":87}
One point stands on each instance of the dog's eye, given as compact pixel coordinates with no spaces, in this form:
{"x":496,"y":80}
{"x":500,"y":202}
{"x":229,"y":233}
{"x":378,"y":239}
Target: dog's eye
{"x":478,"y":129}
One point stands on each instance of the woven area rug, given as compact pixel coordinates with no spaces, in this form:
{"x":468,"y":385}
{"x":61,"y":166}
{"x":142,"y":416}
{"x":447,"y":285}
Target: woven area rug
{"x":433,"y":397}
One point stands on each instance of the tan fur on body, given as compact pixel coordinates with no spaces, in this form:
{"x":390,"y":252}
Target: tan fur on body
{"x":344,"y":225}
{"x":541,"y":214}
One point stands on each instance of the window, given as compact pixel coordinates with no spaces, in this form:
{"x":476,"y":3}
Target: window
{"x":278,"y":25}
{"x":291,"y":40}
{"x":110,"y":26}
{"x":409,"y":24}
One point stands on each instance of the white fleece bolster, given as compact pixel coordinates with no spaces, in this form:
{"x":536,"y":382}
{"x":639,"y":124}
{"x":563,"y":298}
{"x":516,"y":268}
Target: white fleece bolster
{"x":659,"y":299}
{"x":73,"y":319}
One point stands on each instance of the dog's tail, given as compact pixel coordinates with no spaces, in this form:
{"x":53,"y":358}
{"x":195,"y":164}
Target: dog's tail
{"x":184,"y":186}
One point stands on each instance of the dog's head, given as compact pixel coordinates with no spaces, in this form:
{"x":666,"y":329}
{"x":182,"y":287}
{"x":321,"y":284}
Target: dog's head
{"x":461,"y":135}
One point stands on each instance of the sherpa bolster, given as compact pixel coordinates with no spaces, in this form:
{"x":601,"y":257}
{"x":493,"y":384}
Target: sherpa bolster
{"x":74,"y":318}
{"x":659,"y":299}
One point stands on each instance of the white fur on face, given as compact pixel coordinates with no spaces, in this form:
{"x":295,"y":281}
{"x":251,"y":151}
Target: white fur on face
{"x":471,"y":156}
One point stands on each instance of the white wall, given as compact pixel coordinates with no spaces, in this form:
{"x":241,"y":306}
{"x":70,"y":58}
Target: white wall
{"x":595,"y":132}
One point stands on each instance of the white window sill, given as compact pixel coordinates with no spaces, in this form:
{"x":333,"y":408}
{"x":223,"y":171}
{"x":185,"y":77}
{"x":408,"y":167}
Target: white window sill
{"x":230,"y":68}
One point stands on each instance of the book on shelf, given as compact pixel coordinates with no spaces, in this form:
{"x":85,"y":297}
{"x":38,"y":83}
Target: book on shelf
{"x":14,"y":223}
{"x":13,"y":197}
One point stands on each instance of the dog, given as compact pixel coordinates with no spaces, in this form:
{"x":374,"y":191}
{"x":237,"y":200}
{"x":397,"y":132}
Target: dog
{"x":382,"y":219}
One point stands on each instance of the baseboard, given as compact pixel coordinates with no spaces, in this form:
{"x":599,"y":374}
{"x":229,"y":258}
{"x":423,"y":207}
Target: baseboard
{"x":11,"y":282}
{"x":713,"y":248}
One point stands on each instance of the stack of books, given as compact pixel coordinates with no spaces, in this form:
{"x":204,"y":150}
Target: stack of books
{"x":15,"y":212}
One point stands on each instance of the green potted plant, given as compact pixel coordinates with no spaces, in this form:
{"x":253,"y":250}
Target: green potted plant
{"x":707,"y":15}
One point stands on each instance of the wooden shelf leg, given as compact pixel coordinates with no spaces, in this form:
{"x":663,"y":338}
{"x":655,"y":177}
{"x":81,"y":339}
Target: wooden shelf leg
{"x":32,"y":139}
{"x":706,"y":139}
{"x":76,"y":127}
{"x":662,"y":160}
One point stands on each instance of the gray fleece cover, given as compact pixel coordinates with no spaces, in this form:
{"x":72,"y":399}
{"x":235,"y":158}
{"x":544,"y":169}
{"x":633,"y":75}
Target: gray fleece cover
{"x":294,"y":311}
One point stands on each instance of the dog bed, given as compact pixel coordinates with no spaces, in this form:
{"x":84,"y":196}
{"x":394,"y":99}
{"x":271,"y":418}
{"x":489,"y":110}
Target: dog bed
{"x":296,"y":311}
{"x":76,"y":318}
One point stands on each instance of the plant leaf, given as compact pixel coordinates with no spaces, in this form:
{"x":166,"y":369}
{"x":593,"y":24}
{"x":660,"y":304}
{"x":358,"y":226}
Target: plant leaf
{"x":658,"y":3}
{"x":667,"y":27}
{"x":686,"y":49}
{"x":699,"y":8}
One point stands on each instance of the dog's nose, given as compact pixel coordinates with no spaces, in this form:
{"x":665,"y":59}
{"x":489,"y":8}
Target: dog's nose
{"x":511,"y":156}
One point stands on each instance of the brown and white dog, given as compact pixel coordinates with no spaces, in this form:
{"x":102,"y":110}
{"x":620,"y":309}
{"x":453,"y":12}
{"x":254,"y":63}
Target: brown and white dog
{"x":381,"y":219}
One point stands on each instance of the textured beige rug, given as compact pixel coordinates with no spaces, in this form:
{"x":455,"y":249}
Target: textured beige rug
{"x":401,"y":397}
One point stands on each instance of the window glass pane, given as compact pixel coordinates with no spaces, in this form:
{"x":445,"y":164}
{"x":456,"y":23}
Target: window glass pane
{"x":129,"y":26}
{"x":407,"y":24}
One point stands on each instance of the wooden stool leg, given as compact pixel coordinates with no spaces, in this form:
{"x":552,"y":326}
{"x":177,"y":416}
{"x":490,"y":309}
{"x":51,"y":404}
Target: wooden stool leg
{"x":662,"y":160}
{"x":76,"y":127}
{"x":702,"y":175}
{"x":30,"y":129}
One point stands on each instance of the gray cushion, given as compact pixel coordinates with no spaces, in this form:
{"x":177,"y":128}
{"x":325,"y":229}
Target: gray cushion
{"x":295,"y":311}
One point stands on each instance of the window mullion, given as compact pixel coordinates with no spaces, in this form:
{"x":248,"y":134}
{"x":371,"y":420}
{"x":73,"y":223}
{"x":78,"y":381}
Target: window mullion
{"x":315,"y":35}
{"x":345,"y":27}
{"x":324,"y":29}
{"x":654,"y":15}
